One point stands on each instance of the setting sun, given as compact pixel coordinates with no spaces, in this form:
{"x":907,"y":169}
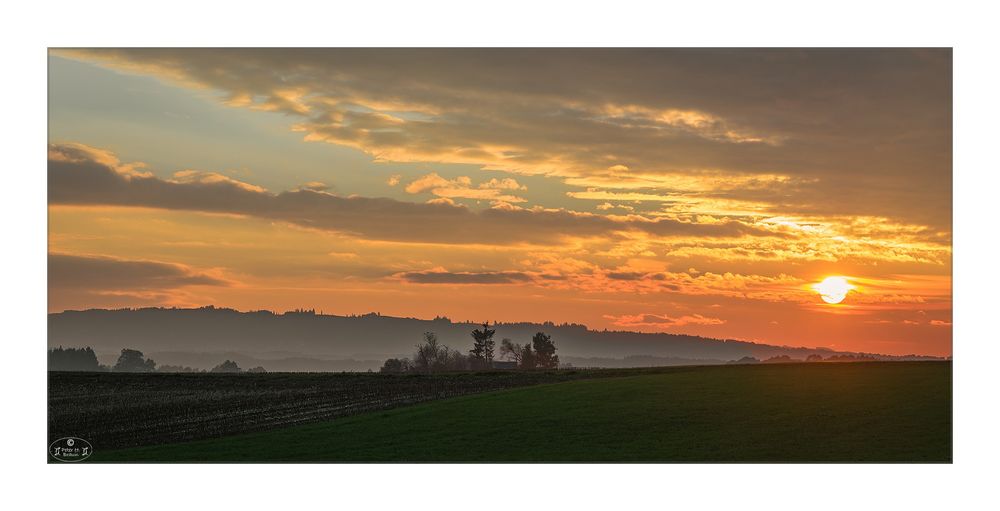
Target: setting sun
{"x":833,"y":289}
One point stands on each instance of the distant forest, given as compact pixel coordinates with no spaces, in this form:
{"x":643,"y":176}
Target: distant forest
{"x":130,"y":361}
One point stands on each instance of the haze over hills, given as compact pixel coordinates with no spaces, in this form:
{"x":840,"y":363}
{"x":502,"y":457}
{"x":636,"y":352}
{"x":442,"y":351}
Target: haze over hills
{"x":308,"y":341}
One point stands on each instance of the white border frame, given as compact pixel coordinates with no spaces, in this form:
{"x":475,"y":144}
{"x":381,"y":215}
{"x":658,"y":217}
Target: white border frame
{"x":31,"y":29}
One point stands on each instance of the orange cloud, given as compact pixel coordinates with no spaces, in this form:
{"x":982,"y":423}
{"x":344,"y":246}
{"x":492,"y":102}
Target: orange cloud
{"x":461,"y":188}
{"x":662,"y":322}
{"x":91,"y":182}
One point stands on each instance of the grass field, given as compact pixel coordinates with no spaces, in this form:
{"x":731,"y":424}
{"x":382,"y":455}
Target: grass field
{"x":857,"y":412}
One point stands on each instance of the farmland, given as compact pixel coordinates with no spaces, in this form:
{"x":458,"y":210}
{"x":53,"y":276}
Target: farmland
{"x":116,"y":410}
{"x":875,"y":412}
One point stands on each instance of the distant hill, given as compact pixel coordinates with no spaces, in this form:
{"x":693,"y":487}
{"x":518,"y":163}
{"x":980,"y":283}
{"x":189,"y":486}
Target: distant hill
{"x":305,"y":340}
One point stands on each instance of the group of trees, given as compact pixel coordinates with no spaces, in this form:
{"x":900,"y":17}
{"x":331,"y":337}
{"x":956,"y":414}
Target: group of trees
{"x":133,"y":361}
{"x":129,"y":361}
{"x":432,"y":356}
{"x":226,"y":367}
{"x":74,"y":359}
{"x":541,"y":353}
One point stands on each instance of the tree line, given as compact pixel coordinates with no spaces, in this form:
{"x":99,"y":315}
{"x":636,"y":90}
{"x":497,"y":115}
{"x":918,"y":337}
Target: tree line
{"x":129,"y":361}
{"x":432,"y":356}
{"x":785,"y":359}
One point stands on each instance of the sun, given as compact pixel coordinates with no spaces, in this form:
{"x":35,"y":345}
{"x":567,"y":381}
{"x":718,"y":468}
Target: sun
{"x":833,"y":289}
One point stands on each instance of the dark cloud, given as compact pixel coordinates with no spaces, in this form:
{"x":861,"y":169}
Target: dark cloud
{"x":626,"y":275}
{"x":549,"y":276}
{"x":443,"y":277}
{"x":95,"y":274}
{"x":85,"y":176}
{"x":869,"y":129}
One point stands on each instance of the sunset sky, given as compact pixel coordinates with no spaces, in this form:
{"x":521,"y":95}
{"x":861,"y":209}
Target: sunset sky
{"x":689,"y":191}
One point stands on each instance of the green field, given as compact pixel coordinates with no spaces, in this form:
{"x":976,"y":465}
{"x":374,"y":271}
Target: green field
{"x":855,"y":412}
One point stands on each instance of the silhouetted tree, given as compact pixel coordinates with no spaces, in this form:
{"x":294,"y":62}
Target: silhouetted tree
{"x":433,"y":356}
{"x":522,"y":355}
{"x":226,"y":367}
{"x":545,"y":351}
{"x":528,"y":359}
{"x":511,"y":351}
{"x":133,"y":361}
{"x":430,"y":356}
{"x":814,"y":358}
{"x":426,"y":359}
{"x":455,"y":360}
{"x":482,"y":347}
{"x":396,"y":365}
{"x":258,"y":369}
{"x":73,"y":359}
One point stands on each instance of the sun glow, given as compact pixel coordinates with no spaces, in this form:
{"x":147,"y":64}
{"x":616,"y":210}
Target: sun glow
{"x":833,"y":290}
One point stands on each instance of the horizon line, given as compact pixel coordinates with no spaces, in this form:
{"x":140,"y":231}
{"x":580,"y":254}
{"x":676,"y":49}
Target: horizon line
{"x":321,"y":313}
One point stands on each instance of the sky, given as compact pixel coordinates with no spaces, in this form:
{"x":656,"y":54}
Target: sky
{"x":696,"y":191}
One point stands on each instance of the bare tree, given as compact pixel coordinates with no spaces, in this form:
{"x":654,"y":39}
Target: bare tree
{"x":511,"y":351}
{"x":430,"y":356}
{"x":426,"y":358}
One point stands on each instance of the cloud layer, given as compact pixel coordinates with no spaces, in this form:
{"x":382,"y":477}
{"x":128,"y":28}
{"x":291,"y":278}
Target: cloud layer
{"x":647,"y":322}
{"x":851,"y":131}
{"x":84,"y":175}
{"x":108,"y":274}
{"x":444,"y":277}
